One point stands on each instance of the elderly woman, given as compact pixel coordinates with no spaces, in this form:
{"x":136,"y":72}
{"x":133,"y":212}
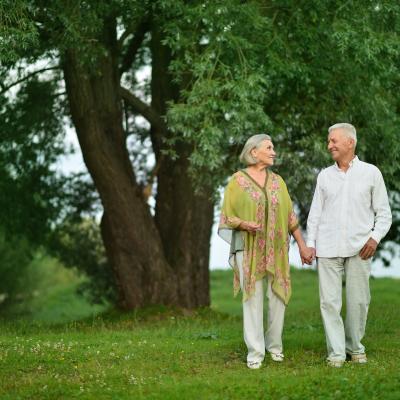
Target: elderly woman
{"x":257,"y":218}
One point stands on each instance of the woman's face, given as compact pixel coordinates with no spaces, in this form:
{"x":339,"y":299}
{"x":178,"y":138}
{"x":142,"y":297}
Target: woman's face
{"x":264,"y":153}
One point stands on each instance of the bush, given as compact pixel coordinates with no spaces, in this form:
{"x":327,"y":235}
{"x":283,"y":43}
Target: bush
{"x":16,"y":253}
{"x":77,"y":244}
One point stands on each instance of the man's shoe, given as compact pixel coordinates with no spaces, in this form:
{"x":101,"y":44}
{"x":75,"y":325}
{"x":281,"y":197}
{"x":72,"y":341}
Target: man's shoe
{"x":335,"y":363}
{"x":254,"y":364}
{"x":359,"y":358}
{"x":278,"y":357}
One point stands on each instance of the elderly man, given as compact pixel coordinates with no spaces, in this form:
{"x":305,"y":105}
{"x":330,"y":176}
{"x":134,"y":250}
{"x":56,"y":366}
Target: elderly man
{"x":349,"y":216}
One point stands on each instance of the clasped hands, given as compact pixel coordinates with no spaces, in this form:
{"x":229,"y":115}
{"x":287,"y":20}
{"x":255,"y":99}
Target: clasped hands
{"x":307,"y":255}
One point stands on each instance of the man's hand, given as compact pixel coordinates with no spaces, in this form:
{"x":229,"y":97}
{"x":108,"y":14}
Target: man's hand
{"x":251,"y":227}
{"x":369,"y":249}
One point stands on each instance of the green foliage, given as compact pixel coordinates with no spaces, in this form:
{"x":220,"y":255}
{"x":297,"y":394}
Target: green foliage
{"x":342,"y":65}
{"x":34,"y":285}
{"x":31,"y":132}
{"x":78,"y":245}
{"x":15,"y":257}
{"x":76,"y":240}
{"x":217,"y":47}
{"x":172,"y":354}
{"x":18,"y":32}
{"x":48,"y":292}
{"x":290,"y":69}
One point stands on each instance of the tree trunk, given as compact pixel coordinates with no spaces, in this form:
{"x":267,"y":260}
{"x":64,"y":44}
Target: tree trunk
{"x":131,"y":239}
{"x":163,"y":259}
{"x":184,"y":221}
{"x":184,"y":218}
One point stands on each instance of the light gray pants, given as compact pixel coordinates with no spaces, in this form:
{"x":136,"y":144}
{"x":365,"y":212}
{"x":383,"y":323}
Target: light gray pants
{"x":253,"y":325}
{"x":342,"y":339}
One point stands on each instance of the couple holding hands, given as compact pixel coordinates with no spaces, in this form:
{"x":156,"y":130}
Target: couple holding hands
{"x":349,"y":215}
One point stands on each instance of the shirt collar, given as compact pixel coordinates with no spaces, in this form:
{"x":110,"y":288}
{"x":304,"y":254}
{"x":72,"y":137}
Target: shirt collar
{"x":355,"y":160}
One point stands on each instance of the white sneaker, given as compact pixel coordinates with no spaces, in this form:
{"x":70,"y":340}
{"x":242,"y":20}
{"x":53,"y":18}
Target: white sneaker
{"x":335,"y":363}
{"x":359,"y":358}
{"x":278,"y":357}
{"x":254,"y":364}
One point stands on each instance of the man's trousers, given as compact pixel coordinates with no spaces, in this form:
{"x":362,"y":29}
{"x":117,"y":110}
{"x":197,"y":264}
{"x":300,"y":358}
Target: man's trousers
{"x":344,"y":338}
{"x":253,"y":327}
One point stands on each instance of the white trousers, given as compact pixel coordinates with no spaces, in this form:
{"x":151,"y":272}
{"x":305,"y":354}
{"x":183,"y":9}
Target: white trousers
{"x":253,"y":326}
{"x":344,"y":338}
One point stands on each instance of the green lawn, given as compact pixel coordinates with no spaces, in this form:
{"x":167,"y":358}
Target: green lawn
{"x":169,"y":354}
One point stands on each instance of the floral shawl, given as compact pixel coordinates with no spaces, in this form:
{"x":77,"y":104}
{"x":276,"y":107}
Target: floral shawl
{"x":266,"y":252}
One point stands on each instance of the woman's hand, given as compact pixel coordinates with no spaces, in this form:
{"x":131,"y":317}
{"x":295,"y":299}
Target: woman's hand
{"x":251,"y":227}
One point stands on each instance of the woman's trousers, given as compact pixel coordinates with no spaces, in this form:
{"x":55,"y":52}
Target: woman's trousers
{"x":253,"y":327}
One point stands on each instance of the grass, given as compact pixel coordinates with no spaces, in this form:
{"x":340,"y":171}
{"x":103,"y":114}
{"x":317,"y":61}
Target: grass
{"x":174,"y":354}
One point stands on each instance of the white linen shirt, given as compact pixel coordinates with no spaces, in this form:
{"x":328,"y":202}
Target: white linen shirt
{"x":347,"y":209}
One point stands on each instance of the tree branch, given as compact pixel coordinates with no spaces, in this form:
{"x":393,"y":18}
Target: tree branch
{"x":133,"y":47}
{"x":5,"y":88}
{"x":143,"y":109}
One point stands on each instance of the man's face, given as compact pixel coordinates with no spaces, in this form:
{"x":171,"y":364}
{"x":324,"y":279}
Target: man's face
{"x":339,"y":145}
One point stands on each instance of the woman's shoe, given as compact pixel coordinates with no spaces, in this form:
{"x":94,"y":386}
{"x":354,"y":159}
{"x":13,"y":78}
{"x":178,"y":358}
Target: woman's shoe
{"x":278,"y":357}
{"x":254,"y":364}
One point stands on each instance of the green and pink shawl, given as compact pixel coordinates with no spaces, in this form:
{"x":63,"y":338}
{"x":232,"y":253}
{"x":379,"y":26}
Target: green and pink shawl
{"x":266,"y":252}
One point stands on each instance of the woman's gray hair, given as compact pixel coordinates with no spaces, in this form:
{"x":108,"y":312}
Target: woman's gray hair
{"x":253,"y":142}
{"x":348,"y":129}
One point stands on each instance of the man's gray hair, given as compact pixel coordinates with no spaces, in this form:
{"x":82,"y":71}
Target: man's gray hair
{"x":253,"y":142}
{"x":348,"y":129}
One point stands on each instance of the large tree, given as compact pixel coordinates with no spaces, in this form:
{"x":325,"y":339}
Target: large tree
{"x":160,"y":258}
{"x":220,"y":71}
